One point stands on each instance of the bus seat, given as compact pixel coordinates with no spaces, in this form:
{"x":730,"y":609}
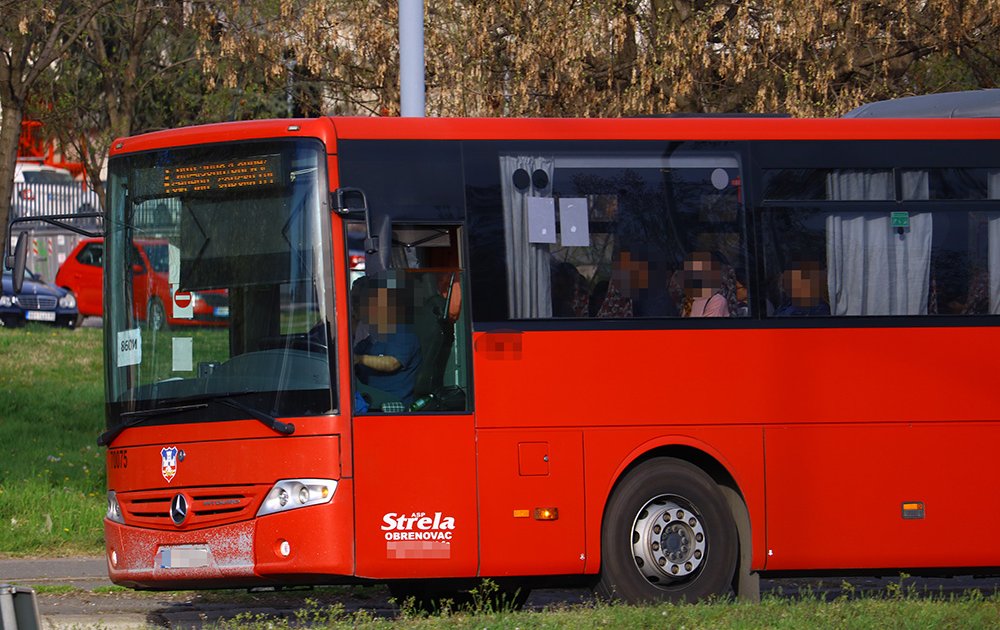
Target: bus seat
{"x":436,"y":335}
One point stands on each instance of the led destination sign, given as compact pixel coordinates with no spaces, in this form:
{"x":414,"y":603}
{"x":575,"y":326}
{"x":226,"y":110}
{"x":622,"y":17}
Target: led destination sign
{"x":241,"y":174}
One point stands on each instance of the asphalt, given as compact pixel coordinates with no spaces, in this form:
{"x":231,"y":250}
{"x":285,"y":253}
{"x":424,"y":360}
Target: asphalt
{"x":64,"y":592}
{"x":76,"y":593}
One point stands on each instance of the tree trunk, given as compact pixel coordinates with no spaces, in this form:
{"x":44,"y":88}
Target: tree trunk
{"x":10,"y":135}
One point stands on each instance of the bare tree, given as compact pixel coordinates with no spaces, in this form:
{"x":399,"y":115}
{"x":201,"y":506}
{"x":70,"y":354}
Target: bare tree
{"x":33,"y":35}
{"x":107,"y":83}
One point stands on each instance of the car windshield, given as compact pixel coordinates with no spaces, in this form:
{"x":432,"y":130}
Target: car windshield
{"x":235,"y":302}
{"x":47,"y":177}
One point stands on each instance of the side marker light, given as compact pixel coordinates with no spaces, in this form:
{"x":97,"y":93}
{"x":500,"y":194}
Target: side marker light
{"x":913,"y":510}
{"x":547,"y":514}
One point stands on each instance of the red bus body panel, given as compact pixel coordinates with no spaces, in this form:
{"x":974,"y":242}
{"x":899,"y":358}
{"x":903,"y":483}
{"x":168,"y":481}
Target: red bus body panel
{"x":825,"y":432}
{"x":850,"y":410}
{"x":415,"y":480}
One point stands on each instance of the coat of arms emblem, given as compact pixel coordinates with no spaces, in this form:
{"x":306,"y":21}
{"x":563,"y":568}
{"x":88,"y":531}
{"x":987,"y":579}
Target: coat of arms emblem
{"x":168,"y":462}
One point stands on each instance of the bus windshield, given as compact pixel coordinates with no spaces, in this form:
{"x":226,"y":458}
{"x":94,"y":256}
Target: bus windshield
{"x":215,"y":283}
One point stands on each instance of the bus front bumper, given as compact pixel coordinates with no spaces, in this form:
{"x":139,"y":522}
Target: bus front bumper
{"x":310,"y":545}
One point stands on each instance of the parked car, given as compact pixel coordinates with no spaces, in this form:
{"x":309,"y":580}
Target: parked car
{"x":43,"y":189}
{"x":38,"y":301}
{"x":83,"y":274}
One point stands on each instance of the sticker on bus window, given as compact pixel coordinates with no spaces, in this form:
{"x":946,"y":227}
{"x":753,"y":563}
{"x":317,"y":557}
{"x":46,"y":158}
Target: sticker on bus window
{"x":173,"y":264}
{"x":129,"y":347}
{"x":574,"y":229}
{"x":182,"y":353}
{"x":541,"y":220}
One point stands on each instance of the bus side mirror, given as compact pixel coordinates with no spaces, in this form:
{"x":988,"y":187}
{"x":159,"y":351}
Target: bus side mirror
{"x":19,"y":262}
{"x":347,"y":200}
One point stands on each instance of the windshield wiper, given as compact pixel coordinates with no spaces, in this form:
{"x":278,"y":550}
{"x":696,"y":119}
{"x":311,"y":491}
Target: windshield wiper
{"x":138,"y":417}
{"x":269,"y":421}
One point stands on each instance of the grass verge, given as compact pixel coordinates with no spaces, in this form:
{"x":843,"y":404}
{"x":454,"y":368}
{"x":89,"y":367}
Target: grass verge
{"x":967,"y":611}
{"x":52,"y":475}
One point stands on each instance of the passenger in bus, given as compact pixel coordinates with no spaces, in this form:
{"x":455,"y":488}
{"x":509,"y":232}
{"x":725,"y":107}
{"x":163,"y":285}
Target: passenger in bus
{"x":804,"y":291}
{"x":629,"y":277}
{"x":387,"y":359}
{"x":638,"y":287}
{"x":570,"y":295}
{"x":709,"y":286}
{"x":977,"y":299}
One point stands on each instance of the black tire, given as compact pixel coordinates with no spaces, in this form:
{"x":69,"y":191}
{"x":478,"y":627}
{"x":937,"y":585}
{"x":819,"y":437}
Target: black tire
{"x":156,"y":315}
{"x":667,"y":536}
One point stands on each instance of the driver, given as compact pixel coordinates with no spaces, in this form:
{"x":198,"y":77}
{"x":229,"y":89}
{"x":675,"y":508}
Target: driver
{"x":387,"y":359}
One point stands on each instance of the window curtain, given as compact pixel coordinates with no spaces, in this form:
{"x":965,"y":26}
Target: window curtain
{"x":529,"y":276}
{"x":871,"y":269}
{"x":993,"y":229}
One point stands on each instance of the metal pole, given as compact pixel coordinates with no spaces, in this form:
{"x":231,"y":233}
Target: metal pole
{"x":8,"y":619}
{"x":411,"y":58}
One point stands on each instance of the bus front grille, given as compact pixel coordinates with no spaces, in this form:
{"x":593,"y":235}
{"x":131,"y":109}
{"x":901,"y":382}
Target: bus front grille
{"x":204,"y":507}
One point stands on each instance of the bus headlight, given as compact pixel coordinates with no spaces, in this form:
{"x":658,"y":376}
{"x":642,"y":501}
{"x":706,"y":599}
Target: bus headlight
{"x":289,"y":494}
{"x":114,"y":513}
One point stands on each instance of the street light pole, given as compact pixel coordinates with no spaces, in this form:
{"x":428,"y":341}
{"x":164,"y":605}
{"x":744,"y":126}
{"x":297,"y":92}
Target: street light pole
{"x":411,"y":58}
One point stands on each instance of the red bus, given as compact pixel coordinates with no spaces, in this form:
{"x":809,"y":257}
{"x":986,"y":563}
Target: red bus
{"x":660,"y":356}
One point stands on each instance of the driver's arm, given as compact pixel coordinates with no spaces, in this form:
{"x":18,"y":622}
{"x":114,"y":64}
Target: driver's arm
{"x":379,"y":363}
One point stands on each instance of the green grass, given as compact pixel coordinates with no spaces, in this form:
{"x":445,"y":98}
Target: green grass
{"x":966,"y":611}
{"x":52,"y":475}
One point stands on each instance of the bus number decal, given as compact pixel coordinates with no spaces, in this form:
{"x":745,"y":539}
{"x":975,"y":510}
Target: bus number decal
{"x":129,"y":347}
{"x":118,"y":459}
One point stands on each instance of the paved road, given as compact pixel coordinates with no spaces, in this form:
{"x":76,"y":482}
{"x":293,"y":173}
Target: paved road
{"x":89,"y":603}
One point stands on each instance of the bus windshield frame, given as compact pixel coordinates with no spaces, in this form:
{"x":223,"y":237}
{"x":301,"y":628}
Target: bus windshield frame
{"x":241,"y":314}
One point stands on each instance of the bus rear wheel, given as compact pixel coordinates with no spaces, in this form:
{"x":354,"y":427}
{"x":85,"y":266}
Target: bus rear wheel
{"x":668,"y":535}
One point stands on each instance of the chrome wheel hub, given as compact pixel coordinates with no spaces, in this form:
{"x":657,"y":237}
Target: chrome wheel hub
{"x":668,"y":540}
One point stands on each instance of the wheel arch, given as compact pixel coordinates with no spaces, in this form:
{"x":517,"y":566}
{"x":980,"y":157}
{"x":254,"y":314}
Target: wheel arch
{"x":746,"y":582}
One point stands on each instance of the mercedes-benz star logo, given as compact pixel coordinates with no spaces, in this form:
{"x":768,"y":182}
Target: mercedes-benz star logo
{"x":178,"y":509}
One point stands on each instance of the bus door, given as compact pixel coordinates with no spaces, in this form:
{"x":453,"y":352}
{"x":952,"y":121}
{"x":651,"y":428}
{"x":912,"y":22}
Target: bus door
{"x":414,"y":440}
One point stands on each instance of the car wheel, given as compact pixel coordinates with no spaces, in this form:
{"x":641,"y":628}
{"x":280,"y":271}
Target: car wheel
{"x":156,"y":315}
{"x":667,"y":535}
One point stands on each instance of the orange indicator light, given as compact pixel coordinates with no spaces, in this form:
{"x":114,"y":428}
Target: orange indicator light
{"x":546,"y":514}
{"x":913,"y":510}
{"x":522,"y":513}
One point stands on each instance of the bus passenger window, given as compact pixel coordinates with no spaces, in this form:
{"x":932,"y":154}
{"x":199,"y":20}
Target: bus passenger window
{"x":590,"y":234}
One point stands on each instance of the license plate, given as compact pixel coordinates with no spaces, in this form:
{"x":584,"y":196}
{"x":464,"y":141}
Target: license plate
{"x":222,"y":311}
{"x":182,"y":557}
{"x":41,"y":316}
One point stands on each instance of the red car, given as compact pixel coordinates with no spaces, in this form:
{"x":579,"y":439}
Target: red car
{"x":83,"y":271}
